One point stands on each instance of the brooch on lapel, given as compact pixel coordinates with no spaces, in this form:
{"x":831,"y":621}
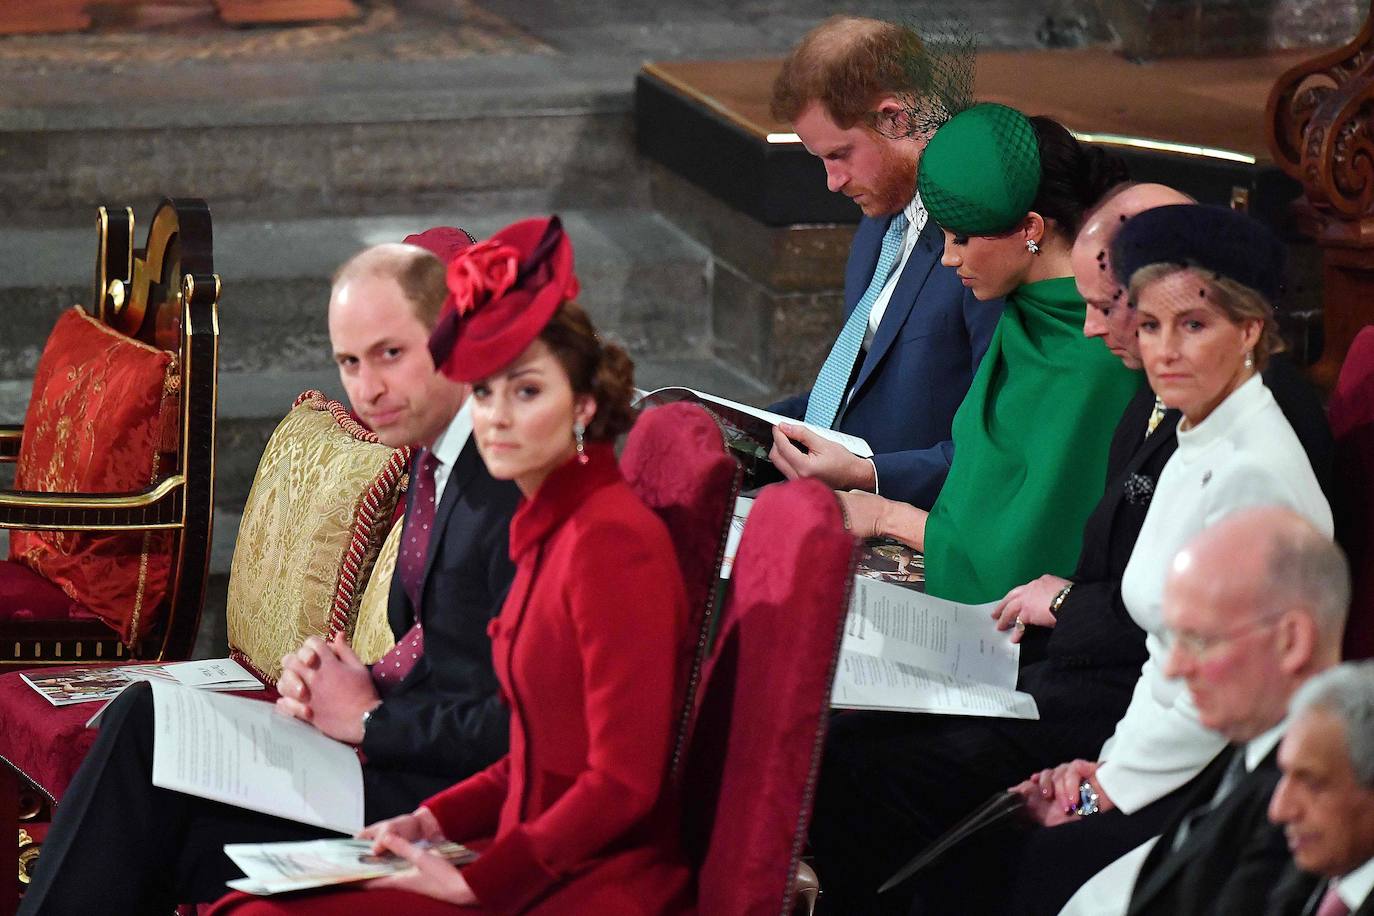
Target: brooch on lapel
{"x":1139,"y":489}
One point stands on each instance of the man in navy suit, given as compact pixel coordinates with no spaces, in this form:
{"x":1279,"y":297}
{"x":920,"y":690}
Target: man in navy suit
{"x":913,"y":335}
{"x":425,"y":716}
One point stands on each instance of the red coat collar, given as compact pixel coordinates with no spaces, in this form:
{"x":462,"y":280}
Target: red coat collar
{"x":559,"y":496}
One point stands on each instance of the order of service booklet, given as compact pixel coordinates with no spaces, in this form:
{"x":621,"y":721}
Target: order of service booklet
{"x":243,"y":752}
{"x":85,"y":685}
{"x":904,"y":650}
{"x":743,"y":422}
{"x":277,"y":868}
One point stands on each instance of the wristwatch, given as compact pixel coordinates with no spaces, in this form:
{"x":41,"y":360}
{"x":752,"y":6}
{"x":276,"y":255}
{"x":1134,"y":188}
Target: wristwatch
{"x":1058,"y":601}
{"x":1087,"y":799}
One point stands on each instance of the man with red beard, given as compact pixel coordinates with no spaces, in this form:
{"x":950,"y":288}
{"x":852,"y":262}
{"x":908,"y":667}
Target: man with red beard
{"x":913,"y":335}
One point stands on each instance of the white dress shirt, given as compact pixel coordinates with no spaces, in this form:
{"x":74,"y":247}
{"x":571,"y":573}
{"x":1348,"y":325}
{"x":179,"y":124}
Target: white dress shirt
{"x":1354,"y":889}
{"x":449,"y":446}
{"x":916,"y":217}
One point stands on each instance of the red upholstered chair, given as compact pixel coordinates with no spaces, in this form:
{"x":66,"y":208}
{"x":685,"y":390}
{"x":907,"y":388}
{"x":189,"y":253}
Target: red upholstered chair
{"x":675,"y":459}
{"x":1351,"y":412}
{"x":756,"y":739}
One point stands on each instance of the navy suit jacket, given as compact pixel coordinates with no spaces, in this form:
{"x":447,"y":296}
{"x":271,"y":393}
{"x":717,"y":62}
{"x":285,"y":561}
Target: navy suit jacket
{"x":445,"y":718}
{"x":918,"y":368}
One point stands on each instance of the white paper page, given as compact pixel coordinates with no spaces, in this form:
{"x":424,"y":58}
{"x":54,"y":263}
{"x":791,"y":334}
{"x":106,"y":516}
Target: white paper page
{"x":310,"y":858}
{"x":939,"y":636}
{"x":855,"y":444}
{"x":216,"y":673}
{"x":741,"y":514}
{"x":866,"y":682}
{"x":242,"y":752}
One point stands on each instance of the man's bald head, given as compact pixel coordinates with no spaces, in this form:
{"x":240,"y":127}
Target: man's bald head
{"x":1254,"y":605}
{"x":419,"y":274}
{"x":1109,"y":315}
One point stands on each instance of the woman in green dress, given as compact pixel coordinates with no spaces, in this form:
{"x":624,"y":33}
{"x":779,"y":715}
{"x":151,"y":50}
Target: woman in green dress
{"x":1031,"y":437}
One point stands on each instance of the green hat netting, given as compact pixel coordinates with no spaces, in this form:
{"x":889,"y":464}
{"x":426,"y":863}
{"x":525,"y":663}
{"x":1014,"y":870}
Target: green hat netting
{"x":980,"y":171}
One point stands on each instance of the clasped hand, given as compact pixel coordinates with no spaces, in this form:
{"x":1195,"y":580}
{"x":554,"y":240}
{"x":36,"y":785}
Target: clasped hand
{"x":432,"y":875}
{"x":327,"y":685}
{"x":1052,"y":794}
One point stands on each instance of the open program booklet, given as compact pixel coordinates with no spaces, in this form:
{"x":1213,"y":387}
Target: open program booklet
{"x":277,"y":868}
{"x":904,"y":650}
{"x":85,"y":685}
{"x":752,"y":423}
{"x":243,"y":752}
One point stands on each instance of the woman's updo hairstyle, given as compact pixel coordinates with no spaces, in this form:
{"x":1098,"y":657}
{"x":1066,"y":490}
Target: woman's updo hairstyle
{"x":1073,"y":177}
{"x":602,"y":369}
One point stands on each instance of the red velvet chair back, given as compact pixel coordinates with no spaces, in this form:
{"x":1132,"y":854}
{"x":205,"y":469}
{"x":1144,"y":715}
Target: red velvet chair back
{"x":755,"y":746}
{"x":675,"y":459}
{"x":1351,"y":412}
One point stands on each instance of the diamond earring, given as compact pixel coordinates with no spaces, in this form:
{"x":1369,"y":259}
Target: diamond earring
{"x":579,"y":431}
{"x":1032,"y":246}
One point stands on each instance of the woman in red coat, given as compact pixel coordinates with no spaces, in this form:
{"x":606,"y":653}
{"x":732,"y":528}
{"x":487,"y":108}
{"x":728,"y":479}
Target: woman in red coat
{"x":576,"y":818}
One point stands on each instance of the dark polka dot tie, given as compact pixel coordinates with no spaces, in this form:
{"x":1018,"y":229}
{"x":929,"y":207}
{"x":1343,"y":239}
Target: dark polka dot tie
{"x":392,"y":668}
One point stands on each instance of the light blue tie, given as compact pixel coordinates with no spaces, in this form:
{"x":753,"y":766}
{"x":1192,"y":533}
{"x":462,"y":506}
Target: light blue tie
{"x":833,"y":379}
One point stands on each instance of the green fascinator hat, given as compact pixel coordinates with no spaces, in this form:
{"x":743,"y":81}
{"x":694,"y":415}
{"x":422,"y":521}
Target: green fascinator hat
{"x":980,"y":171}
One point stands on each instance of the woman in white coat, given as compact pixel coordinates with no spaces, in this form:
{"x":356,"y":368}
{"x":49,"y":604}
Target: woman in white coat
{"x":1202,"y":280}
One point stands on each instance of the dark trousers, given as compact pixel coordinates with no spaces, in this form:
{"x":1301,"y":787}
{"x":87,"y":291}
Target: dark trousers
{"x":120,"y":845}
{"x":892,"y":783}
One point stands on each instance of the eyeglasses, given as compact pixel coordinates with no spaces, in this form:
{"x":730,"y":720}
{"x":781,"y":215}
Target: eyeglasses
{"x":1198,"y":645}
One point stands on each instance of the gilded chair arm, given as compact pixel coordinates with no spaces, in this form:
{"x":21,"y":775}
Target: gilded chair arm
{"x":158,"y":506}
{"x":10,"y":437}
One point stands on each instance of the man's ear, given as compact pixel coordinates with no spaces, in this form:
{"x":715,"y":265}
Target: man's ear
{"x":1296,"y":633}
{"x":891,"y":118}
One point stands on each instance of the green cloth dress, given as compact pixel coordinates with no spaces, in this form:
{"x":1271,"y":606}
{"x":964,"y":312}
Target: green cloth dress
{"x":1030,"y":450}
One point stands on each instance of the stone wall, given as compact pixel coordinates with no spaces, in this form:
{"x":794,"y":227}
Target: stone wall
{"x":1171,"y":28}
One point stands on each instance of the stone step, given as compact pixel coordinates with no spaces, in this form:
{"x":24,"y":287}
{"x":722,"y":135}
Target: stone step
{"x":643,"y":281}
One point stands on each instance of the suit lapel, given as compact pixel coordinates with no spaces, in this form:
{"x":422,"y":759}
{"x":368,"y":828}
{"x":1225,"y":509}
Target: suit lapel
{"x":1163,"y":863}
{"x":918,"y":267}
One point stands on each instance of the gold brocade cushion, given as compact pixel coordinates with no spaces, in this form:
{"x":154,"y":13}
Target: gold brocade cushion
{"x":372,"y":637}
{"x":321,"y":504}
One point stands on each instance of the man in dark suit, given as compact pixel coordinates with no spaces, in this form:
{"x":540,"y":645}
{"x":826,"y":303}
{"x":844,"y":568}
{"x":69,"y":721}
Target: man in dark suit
{"x":913,"y":336}
{"x":1255,"y":607}
{"x":424,"y":716}
{"x":1325,"y":798}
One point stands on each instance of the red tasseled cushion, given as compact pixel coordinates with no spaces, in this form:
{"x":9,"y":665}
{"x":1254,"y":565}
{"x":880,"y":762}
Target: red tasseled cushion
{"x":755,"y":748}
{"x":47,"y":743}
{"x":1351,"y":412}
{"x":27,"y":596}
{"x":102,"y":406}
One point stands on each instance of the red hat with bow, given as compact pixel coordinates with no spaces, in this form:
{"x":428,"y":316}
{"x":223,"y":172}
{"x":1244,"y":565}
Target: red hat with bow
{"x":502,"y":292}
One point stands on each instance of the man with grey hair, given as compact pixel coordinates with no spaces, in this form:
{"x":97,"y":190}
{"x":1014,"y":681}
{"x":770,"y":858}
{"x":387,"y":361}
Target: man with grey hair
{"x":1325,"y":799}
{"x":1255,"y":606}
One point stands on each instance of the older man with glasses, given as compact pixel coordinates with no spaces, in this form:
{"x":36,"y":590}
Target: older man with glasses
{"x":1255,"y":607}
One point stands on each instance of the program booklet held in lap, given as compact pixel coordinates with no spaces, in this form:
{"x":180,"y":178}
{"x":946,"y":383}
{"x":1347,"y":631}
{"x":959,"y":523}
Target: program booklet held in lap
{"x":243,"y":752}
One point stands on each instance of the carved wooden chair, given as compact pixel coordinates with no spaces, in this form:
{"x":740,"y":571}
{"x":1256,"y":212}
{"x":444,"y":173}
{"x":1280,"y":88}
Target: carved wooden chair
{"x":111,"y":512}
{"x":755,"y":747}
{"x":321,"y":503}
{"x":114,"y":491}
